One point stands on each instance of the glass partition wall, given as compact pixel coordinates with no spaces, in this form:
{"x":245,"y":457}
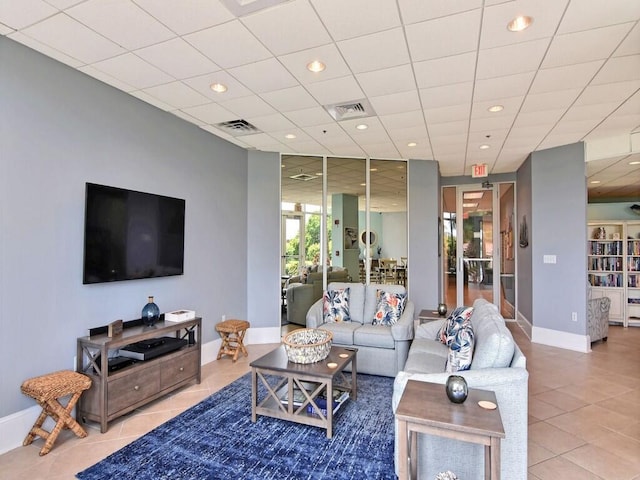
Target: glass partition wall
{"x":366,"y":216}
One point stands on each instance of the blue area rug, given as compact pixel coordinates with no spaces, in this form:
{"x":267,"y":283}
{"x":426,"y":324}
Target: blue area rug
{"x":216,"y":439}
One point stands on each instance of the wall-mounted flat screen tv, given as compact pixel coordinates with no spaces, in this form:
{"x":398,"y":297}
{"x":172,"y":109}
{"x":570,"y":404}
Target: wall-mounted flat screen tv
{"x":130,"y":235}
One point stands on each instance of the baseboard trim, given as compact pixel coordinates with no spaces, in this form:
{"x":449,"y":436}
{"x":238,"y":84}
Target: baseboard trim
{"x":556,"y":338}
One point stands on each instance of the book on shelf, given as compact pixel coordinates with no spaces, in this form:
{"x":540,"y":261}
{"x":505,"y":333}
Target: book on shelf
{"x":298,"y":396}
{"x":339,"y":398}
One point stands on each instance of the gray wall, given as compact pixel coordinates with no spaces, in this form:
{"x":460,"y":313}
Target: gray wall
{"x":423,"y":204}
{"x":60,"y":129}
{"x":558,"y":227}
{"x":524,"y":284}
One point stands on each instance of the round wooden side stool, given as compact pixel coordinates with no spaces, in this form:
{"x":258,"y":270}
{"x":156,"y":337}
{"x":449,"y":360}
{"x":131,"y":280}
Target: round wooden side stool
{"x":232,"y":334}
{"x":47,"y":390}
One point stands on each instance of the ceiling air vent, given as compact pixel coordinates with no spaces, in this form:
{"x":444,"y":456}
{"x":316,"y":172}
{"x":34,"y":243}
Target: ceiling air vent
{"x":305,"y":177}
{"x":347,"y":111}
{"x":237,"y":127}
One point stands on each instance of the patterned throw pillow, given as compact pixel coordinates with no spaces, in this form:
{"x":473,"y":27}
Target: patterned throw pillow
{"x":390,"y":307}
{"x":459,"y":318}
{"x":335,"y":306}
{"x":461,"y":349}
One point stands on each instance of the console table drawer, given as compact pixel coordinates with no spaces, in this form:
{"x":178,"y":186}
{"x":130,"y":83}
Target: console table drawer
{"x":133,"y":388}
{"x":175,"y":370}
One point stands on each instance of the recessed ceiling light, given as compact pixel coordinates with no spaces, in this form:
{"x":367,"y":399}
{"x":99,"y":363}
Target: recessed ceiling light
{"x":473,"y":195}
{"x":635,"y":162}
{"x":484,"y":146}
{"x":495,"y":108}
{"x":289,"y":136}
{"x":411,"y":144}
{"x":373,"y":169}
{"x":363,"y":184}
{"x":316,"y":66}
{"x":595,"y":181}
{"x":362,"y":126}
{"x":469,"y":205}
{"x":519,"y":23}
{"x":218,"y":87}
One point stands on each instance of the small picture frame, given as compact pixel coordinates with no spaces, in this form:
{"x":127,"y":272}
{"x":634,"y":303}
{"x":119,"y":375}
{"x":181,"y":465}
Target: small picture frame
{"x":115,"y":328}
{"x":615,"y":236}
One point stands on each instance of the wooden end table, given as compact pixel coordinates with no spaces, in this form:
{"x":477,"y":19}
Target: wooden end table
{"x":325,"y":376}
{"x":425,"y":408}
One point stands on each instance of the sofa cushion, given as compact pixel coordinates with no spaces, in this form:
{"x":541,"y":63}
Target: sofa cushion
{"x":494,"y":346}
{"x":342,"y":331}
{"x":371,"y":299}
{"x":356,"y":298}
{"x":390,"y":307}
{"x":373,"y":336}
{"x":461,"y":349}
{"x":427,"y":356}
{"x":335,"y":306}
{"x":458,"y":319}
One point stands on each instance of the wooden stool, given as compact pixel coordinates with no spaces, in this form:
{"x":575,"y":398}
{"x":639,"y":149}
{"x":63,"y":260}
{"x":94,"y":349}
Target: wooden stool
{"x":232,"y":334}
{"x":47,"y":390}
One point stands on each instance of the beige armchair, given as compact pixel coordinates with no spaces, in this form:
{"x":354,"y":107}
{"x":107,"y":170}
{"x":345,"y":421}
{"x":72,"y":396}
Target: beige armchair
{"x":598,"y":318}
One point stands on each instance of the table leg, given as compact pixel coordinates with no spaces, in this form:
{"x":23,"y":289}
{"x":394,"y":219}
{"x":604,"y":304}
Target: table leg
{"x":354,"y":377}
{"x":403,"y":454}
{"x":329,"y":395}
{"x":413,"y":454}
{"x":495,"y":458}
{"x":254,"y":394}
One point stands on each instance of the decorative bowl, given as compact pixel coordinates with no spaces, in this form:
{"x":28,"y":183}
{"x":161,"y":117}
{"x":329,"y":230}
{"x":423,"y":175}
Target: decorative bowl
{"x":308,"y":345}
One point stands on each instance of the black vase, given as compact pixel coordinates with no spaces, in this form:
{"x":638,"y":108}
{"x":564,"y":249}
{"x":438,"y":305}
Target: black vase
{"x":457,"y":389}
{"x":442,"y":309}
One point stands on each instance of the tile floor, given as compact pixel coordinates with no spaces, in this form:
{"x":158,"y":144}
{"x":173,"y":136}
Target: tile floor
{"x":584,"y":415}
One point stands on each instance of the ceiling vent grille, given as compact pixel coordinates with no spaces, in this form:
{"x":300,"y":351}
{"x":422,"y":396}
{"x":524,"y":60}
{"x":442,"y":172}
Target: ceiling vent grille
{"x":237,"y":128}
{"x":349,"y":110}
{"x":305,"y":177}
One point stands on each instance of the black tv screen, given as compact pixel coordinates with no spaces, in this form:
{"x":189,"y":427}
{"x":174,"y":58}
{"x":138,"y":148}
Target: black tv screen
{"x":131,"y":235}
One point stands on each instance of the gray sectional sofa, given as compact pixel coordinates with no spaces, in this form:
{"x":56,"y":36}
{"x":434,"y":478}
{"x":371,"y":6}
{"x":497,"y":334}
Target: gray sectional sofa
{"x":302,"y":292}
{"x":497,"y":365}
{"x":382,"y":350}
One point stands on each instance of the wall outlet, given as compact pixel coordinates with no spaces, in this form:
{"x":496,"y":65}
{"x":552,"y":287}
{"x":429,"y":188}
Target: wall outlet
{"x":224,"y":317}
{"x":574,"y":316}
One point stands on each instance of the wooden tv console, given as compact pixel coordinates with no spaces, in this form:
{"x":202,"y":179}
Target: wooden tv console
{"x":113,"y":394}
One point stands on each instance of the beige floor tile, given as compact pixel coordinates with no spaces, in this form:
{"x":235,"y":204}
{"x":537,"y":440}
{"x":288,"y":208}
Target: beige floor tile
{"x":590,"y":422}
{"x":601,"y":462}
{"x":537,"y":453}
{"x":561,"y":400}
{"x":558,"y":468}
{"x":553,"y":438}
{"x":543,"y":410}
{"x":622,"y":446}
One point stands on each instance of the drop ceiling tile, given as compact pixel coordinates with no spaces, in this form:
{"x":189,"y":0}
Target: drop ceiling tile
{"x":497,"y":89}
{"x":177,"y":58}
{"x":265,"y":76}
{"x":337,"y":90}
{"x":546,"y":15}
{"x":598,"y":14}
{"x":72,"y":38}
{"x":402,"y":120}
{"x":229,"y":45}
{"x":187,"y":16}
{"x":263,"y":142}
{"x":550,"y":100}
{"x":276,"y":122}
{"x":444,"y":71}
{"x":381,"y":150}
{"x":592,"y":111}
{"x":247,"y":107}
{"x":61,"y":4}
{"x":452,"y":143}
{"x":416,"y":133}
{"x":45,"y":49}
{"x":485,"y":125}
{"x":396,"y":103}
{"x":133,"y":70}
{"x":203,"y":83}
{"x":631,"y":44}
{"x":619,"y":69}
{"x":188,"y":118}
{"x":419,"y":152}
{"x":108,"y":79}
{"x":288,"y":27}
{"x":569,"y":49}
{"x":357,"y":17}
{"x":297,"y":63}
{"x":546,"y":118}
{"x":19,"y":14}
{"x":558,"y":140}
{"x":418,"y":10}
{"x":211,"y":113}
{"x":308,"y":117}
{"x":450,"y":128}
{"x":289,"y":99}
{"x":446,"y":95}
{"x":4,"y":30}
{"x":387,"y":81}
{"x":444,"y":36}
{"x":496,"y":137}
{"x":522,"y":57}
{"x":448,"y":113}
{"x":375,"y":51}
{"x":145,"y":97}
{"x":122,"y":22}
{"x":177,"y":94}
{"x":562,"y":78}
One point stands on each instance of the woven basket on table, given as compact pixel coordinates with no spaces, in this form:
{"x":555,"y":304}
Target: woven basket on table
{"x":308,"y":345}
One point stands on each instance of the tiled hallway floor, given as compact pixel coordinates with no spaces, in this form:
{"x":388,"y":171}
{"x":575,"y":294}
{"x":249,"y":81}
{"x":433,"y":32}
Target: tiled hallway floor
{"x":584,"y":415}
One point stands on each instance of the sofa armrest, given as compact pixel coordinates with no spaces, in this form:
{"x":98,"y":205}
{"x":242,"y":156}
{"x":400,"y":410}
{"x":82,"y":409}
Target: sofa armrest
{"x":403,"y":328}
{"x":429,"y":330}
{"x":314,"y":315}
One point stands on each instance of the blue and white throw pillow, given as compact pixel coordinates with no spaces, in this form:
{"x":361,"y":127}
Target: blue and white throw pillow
{"x":458,"y":319}
{"x":389,"y":308}
{"x":335,"y":306}
{"x":461,"y":349}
